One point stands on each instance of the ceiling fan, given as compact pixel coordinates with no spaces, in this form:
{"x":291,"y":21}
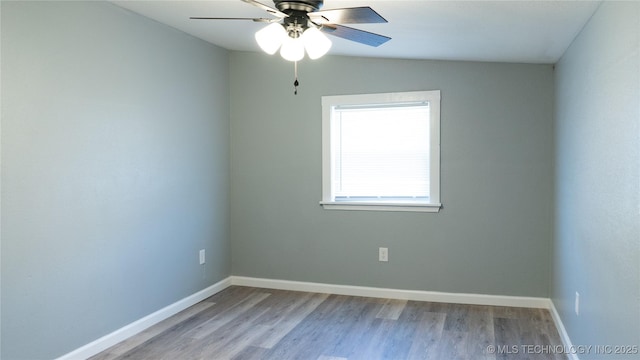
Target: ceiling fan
{"x":300,"y":15}
{"x":298,"y":25}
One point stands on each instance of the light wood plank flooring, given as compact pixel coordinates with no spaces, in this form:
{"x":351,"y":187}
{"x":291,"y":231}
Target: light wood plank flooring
{"x":253,"y":323}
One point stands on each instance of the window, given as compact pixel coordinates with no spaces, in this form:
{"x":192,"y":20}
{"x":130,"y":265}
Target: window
{"x":381,"y":151}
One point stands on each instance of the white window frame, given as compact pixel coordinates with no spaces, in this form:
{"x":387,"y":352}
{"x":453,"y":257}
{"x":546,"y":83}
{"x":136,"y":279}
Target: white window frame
{"x":330,"y":102}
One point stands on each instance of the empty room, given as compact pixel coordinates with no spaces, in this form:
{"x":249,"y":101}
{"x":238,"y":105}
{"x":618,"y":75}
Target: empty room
{"x":337,"y":180}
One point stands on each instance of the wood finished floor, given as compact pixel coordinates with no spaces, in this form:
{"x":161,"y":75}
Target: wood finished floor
{"x":253,"y":323}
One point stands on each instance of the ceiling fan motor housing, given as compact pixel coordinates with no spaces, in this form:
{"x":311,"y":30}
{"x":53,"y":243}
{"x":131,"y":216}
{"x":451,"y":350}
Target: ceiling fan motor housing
{"x":306,"y":6}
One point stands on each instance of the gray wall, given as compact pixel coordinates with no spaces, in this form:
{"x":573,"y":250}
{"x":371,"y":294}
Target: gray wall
{"x":597,"y":235}
{"x":115,"y":137}
{"x":493,"y":235}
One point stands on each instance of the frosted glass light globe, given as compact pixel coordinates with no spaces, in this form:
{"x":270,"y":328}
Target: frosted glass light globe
{"x":316,"y":43}
{"x":292,"y":49}
{"x":271,"y":37}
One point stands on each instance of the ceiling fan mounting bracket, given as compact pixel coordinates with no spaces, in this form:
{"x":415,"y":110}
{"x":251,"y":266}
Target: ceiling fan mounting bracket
{"x":306,"y":6}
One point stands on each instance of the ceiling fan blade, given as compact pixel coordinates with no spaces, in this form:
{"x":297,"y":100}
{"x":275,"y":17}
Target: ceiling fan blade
{"x":357,"y":15}
{"x":263,"y":20}
{"x":266,"y":8}
{"x":361,"y":36}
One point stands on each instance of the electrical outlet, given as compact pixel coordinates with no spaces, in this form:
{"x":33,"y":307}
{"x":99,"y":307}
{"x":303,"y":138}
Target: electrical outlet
{"x":202,"y":258}
{"x":383,"y":254}
{"x":577,"y":304}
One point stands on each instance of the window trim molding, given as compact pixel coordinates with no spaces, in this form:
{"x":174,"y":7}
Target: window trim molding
{"x":328,"y":102}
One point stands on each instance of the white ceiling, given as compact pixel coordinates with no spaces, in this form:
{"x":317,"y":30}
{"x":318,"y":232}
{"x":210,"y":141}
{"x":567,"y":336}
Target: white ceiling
{"x":522,"y":31}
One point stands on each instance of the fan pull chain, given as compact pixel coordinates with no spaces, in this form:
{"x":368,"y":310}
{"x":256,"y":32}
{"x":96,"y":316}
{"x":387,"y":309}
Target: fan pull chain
{"x":295,"y":83}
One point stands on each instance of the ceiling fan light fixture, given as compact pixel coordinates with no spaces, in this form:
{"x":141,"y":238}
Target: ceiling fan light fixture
{"x":271,"y":37}
{"x":316,"y":43}
{"x":292,"y":49}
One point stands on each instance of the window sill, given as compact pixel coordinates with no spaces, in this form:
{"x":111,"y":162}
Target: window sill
{"x":380,"y":206}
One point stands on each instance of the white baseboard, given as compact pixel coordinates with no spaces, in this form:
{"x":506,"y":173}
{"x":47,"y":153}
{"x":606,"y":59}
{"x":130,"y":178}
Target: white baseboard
{"x":564,"y":336}
{"x":418,"y":295}
{"x":137,"y":326}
